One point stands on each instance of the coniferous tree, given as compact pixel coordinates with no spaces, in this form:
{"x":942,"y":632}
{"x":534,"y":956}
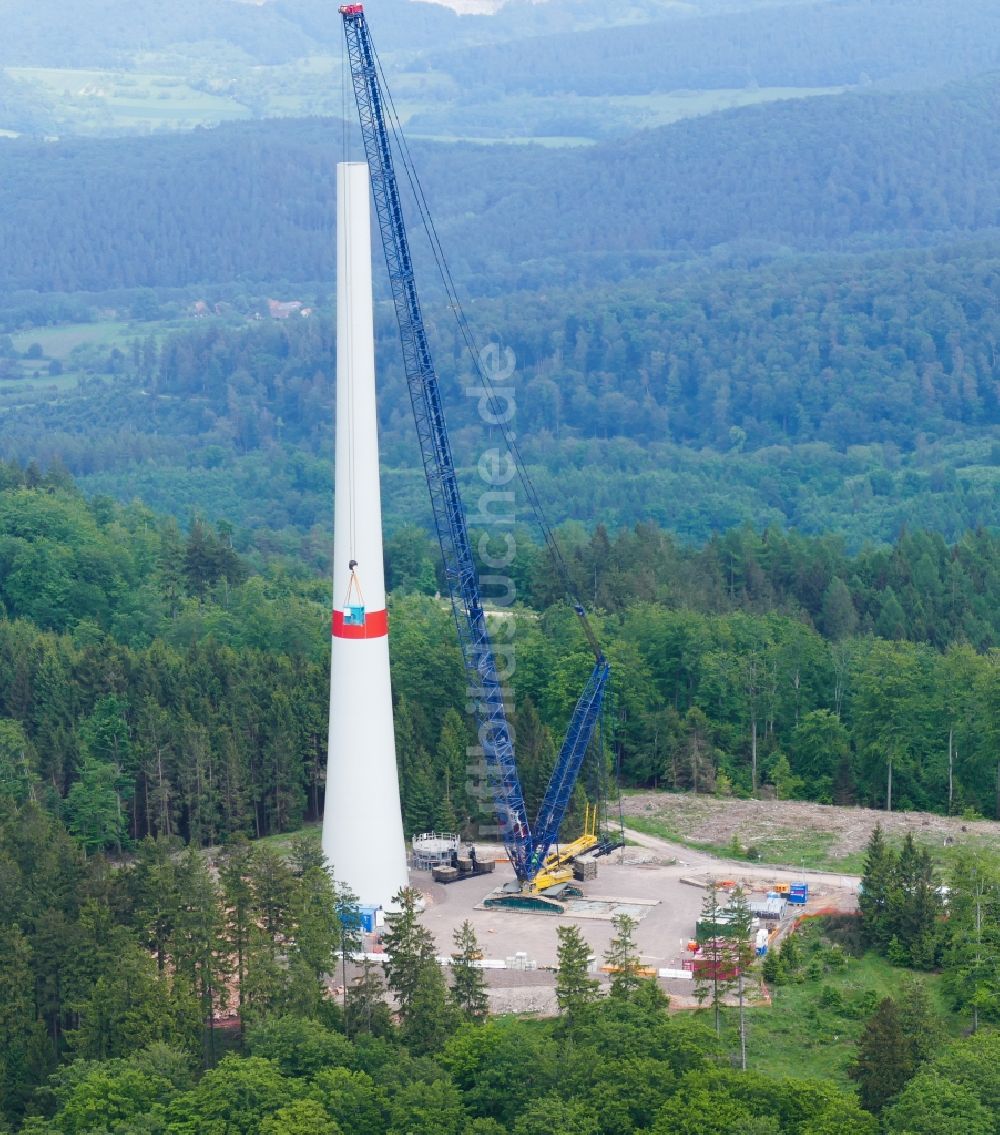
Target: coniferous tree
{"x":921,"y":1029}
{"x":129,"y":1007}
{"x":152,"y":887}
{"x":273,"y":885}
{"x":93,"y":807}
{"x":234,"y":878}
{"x":840,"y":619}
{"x":365,"y":1010}
{"x":265,"y":979}
{"x":468,"y":983}
{"x":623,"y":960}
{"x":431,"y":1017}
{"x":877,"y":884}
{"x":349,"y":931}
{"x":409,"y":950}
{"x":740,"y":932}
{"x":715,"y":970}
{"x":884,"y":1061}
{"x":19,"y":1027}
{"x":575,"y":988}
{"x":915,"y":904}
{"x":314,"y":923}
{"x":18,"y":764}
{"x":198,"y":946}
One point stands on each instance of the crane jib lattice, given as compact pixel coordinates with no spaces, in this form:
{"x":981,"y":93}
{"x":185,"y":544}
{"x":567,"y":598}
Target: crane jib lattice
{"x":526,"y":845}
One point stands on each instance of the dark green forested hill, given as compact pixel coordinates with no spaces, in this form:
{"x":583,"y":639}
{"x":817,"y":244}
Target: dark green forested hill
{"x":254,"y":201}
{"x":806,"y":174}
{"x":154,"y":692}
{"x":113,"y":32}
{"x":151,"y":683}
{"x":853,"y":392}
{"x":802,"y":45}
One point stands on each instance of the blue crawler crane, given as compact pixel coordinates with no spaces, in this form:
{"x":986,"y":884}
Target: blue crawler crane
{"x":528,"y":845}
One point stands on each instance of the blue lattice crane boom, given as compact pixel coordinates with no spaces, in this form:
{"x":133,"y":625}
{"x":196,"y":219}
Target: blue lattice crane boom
{"x":526,"y":844}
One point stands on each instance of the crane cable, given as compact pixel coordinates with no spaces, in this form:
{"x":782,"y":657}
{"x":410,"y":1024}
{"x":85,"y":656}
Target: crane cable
{"x":352,"y":479}
{"x":444,"y":271}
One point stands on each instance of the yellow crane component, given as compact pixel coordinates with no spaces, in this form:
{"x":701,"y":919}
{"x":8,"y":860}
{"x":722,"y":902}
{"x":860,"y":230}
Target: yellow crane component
{"x":556,"y":868}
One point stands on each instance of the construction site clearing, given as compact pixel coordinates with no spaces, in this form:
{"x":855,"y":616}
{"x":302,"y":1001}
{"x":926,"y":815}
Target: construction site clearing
{"x":661,"y":886}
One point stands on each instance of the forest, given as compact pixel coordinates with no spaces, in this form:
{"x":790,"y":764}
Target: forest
{"x":253,"y":201}
{"x":573,"y":70}
{"x":121,"y":988}
{"x":862,"y":398}
{"x":44,"y":34}
{"x":800,"y":45}
{"x":157,"y":690}
{"x":837,"y":370}
{"x":153,"y":683}
{"x":757,"y":389}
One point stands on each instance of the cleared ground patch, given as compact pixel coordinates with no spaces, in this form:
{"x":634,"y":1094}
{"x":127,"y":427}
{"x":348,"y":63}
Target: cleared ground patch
{"x":794,"y":833}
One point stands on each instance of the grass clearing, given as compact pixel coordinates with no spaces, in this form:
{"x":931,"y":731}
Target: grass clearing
{"x":282,"y":843}
{"x":813,"y":1025}
{"x":663,"y":108}
{"x":59,"y":342}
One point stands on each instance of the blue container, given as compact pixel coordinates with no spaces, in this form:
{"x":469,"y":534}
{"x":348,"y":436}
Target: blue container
{"x":367,"y":918}
{"x":354,"y":615}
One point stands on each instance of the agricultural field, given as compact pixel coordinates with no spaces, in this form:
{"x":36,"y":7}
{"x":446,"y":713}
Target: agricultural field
{"x":52,"y":361}
{"x":94,"y":101}
{"x":59,"y":342}
{"x":170,"y":93}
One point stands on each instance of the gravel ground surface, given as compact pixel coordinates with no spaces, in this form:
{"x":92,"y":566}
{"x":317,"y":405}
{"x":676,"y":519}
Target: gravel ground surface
{"x":665,"y":883}
{"x":662,"y":882}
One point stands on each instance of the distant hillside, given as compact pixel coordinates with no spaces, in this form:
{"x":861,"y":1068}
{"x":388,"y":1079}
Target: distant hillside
{"x":860,"y":393}
{"x":852,"y":41}
{"x":51,"y":33}
{"x":254,"y":201}
{"x":91,"y":32}
{"x":813,"y":173}
{"x":569,"y":71}
{"x":87,"y":33}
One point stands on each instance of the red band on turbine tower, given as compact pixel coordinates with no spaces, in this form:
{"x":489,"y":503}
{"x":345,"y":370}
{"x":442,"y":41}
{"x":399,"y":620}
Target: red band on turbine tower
{"x":375,"y":625}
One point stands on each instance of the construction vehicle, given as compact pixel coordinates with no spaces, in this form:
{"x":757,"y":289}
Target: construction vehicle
{"x":557,"y":867}
{"x":527,"y":845}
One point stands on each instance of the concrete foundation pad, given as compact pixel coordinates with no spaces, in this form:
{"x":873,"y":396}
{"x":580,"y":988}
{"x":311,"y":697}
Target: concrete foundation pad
{"x":608,"y":909}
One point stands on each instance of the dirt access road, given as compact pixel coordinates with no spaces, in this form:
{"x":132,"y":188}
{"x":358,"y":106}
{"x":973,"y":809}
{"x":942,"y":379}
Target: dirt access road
{"x":687,"y":862}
